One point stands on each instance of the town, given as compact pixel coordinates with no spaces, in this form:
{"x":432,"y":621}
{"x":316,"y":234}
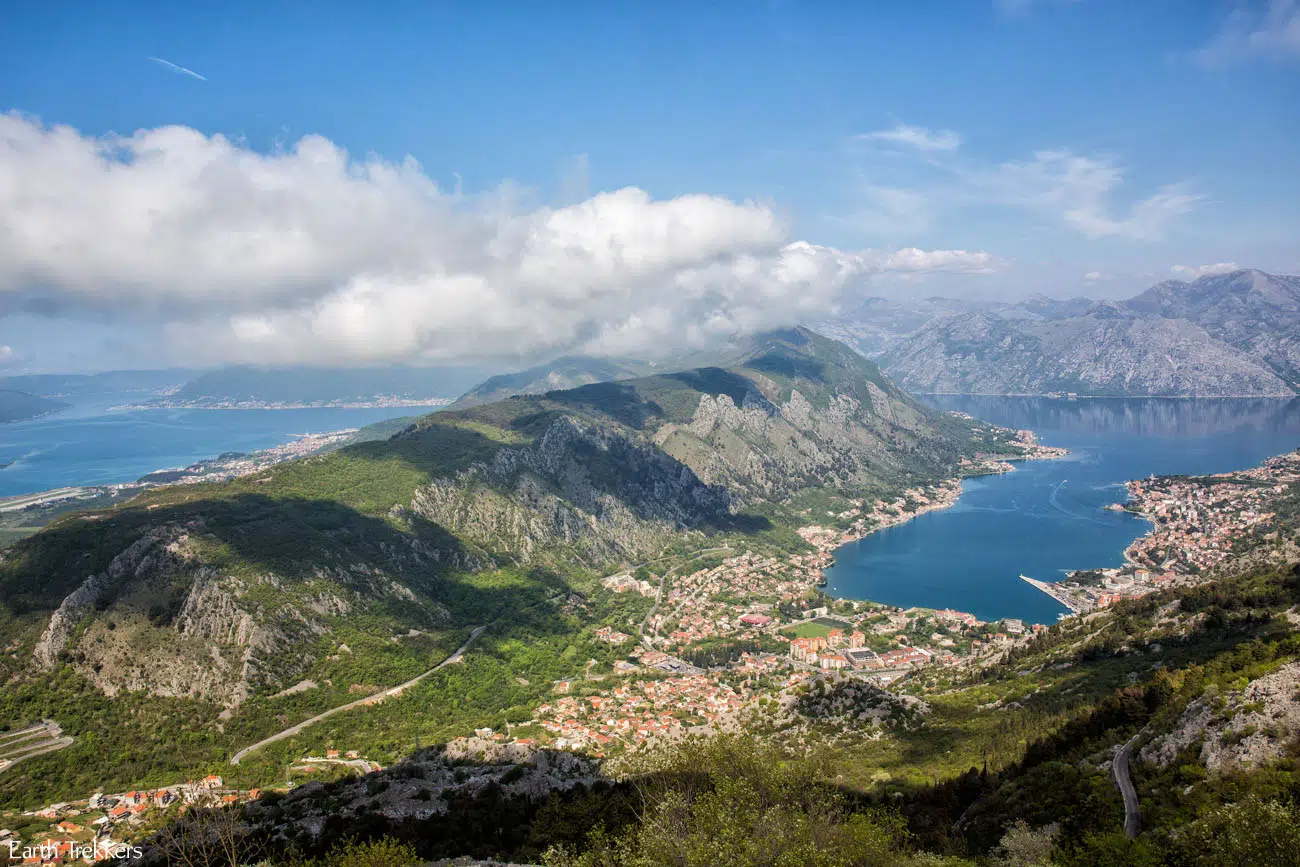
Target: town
{"x":1198,"y":523}
{"x":744,"y":630}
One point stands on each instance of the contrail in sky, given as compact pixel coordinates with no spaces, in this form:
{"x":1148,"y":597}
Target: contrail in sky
{"x":175,"y":68}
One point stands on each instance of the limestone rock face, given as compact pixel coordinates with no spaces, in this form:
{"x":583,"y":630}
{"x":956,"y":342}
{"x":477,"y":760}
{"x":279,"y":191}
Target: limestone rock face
{"x":1229,"y":334}
{"x":163,"y":621}
{"x":600,"y":490}
{"x":1252,"y":729}
{"x":1108,"y":350}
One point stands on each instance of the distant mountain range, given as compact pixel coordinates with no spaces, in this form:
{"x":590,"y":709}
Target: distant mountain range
{"x":74,"y":385}
{"x":300,"y":385}
{"x":270,"y":386}
{"x":19,"y":405}
{"x":1230,"y":334}
{"x":567,"y":372}
{"x":1225,"y":335}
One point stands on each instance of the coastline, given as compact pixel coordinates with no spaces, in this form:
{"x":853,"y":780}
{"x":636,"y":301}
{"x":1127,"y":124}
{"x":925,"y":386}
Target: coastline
{"x":394,"y":403}
{"x":1195,"y":526}
{"x":43,"y":506}
{"x":931,"y":498}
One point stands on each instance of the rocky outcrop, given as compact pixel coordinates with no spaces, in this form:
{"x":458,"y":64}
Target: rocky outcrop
{"x":421,"y":786}
{"x":763,"y":451}
{"x":1246,"y":729}
{"x":579,"y":485}
{"x":135,"y":561}
{"x":162,"y":621}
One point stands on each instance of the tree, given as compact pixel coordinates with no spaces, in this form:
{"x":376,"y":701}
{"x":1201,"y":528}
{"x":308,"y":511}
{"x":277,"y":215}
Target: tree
{"x":1251,"y":833}
{"x":1023,"y":846}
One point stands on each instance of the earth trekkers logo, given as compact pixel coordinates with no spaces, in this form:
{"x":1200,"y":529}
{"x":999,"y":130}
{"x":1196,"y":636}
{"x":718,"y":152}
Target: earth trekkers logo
{"x":70,"y":850}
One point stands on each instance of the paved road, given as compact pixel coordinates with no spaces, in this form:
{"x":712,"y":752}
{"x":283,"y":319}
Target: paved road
{"x":26,"y":743}
{"x":370,"y":699}
{"x":640,"y":630}
{"x":1119,"y":769}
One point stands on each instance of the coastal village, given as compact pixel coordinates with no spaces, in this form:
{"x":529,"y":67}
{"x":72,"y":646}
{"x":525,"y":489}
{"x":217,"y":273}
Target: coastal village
{"x":745,"y":628}
{"x":1198,"y":523}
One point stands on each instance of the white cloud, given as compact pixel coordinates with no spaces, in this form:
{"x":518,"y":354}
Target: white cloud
{"x":1192,"y":272}
{"x":1080,"y":189}
{"x":1267,"y":29}
{"x":1092,"y":276}
{"x":913,"y":261}
{"x":1022,"y":7}
{"x":177,"y":68}
{"x":306,"y":254}
{"x":8,"y":355}
{"x":915,"y":137}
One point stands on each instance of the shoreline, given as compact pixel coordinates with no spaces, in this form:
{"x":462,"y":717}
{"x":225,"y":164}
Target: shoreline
{"x":946,"y":494}
{"x":1194,"y":522}
{"x":222,"y":467}
{"x":396,"y":403}
{"x":1061,"y":396}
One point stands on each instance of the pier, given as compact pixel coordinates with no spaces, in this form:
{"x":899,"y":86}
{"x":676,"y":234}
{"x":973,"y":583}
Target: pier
{"x":1055,"y":592}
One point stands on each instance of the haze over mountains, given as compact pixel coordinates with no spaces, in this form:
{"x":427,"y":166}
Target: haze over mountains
{"x":19,"y":405}
{"x":1234,"y":334}
{"x":1230,"y":334}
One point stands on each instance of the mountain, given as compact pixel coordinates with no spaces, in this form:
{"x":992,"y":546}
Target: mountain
{"x":1255,"y":312}
{"x":319,"y":385}
{"x":565,"y":372}
{"x":871,"y":325}
{"x":1105,"y":351}
{"x":19,"y":405}
{"x":73,"y":385}
{"x":1226,"y":335}
{"x":196,"y":619}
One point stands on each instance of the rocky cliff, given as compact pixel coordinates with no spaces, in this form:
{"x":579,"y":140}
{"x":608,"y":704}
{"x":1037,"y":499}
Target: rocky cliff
{"x":1107,"y":351}
{"x":1231,"y":334}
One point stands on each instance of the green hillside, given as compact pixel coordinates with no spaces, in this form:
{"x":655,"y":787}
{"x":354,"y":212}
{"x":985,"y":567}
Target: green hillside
{"x":199,"y":604}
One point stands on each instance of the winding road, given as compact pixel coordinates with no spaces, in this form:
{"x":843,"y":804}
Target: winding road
{"x":640,"y":630}
{"x":1119,"y":769}
{"x":368,"y":700}
{"x":37,"y":740}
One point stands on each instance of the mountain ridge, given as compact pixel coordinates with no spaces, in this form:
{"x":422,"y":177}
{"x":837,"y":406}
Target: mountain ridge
{"x":211,"y":599}
{"x":1220,"y":335}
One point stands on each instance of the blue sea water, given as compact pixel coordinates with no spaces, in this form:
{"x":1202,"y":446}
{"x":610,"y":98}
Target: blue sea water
{"x":1049,"y":517}
{"x":90,"y":443}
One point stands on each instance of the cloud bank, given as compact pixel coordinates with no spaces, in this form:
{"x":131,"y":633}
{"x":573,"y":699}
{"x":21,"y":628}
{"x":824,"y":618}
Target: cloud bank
{"x":1081,"y":192}
{"x":307,"y":254}
{"x":1264,"y":29}
{"x":1191,"y":272}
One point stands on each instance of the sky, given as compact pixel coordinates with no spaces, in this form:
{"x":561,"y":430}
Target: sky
{"x":331,"y":183}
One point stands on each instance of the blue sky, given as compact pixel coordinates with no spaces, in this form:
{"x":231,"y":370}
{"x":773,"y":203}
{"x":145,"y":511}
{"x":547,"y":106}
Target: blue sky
{"x":1086,"y":147}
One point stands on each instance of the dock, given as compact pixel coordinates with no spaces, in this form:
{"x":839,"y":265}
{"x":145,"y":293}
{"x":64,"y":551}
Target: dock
{"x":1053,"y":591}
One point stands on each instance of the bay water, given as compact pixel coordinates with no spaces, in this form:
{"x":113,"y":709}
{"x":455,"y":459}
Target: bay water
{"x":90,"y":443}
{"x":1049,"y":517}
